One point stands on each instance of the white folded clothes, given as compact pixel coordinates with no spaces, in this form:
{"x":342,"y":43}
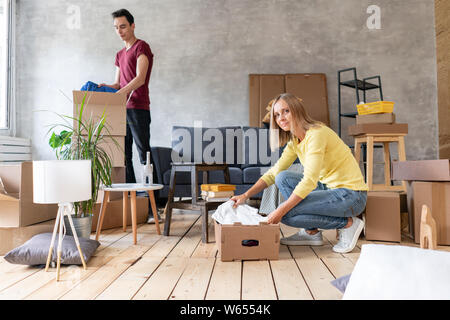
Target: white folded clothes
{"x":245,"y":214}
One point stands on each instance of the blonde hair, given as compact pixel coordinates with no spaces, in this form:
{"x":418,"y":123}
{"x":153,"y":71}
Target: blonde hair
{"x":300,"y":118}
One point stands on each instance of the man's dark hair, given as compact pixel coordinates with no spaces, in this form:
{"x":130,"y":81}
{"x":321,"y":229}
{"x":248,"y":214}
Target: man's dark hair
{"x":123,"y":13}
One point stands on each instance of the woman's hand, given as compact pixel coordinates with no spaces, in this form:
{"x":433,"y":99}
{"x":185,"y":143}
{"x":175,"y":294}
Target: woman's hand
{"x":238,"y":200}
{"x":275,"y":217}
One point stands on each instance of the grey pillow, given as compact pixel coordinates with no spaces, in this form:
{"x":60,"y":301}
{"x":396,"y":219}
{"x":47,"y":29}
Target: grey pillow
{"x":35,"y":250}
{"x":341,"y":283}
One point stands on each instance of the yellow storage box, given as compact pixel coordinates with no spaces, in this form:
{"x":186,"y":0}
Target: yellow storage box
{"x":376,"y":107}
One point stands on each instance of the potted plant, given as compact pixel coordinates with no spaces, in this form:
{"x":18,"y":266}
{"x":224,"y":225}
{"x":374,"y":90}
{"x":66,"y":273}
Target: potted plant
{"x":80,"y":140}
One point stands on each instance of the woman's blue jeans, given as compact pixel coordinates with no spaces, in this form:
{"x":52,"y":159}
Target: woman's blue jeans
{"x":322,"y":208}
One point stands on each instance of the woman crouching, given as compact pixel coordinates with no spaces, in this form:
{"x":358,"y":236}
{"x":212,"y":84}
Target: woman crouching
{"x":329,"y":194}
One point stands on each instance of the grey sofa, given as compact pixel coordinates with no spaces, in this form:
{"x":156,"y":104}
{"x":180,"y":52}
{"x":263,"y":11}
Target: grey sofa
{"x":245,"y":149}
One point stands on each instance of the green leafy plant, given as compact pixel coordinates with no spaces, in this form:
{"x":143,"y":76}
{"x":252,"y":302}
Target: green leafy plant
{"x":80,"y":140}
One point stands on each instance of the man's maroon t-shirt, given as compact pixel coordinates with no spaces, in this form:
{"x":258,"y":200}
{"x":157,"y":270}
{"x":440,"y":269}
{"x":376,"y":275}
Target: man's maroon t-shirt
{"x":126,"y":60}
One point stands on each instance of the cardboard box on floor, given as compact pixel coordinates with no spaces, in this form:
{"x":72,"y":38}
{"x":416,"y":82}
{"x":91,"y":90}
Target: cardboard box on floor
{"x":229,"y":240}
{"x":97,"y":103}
{"x":114,"y":213}
{"x":436,"y":195}
{"x":383,"y":216}
{"x":11,"y":238}
{"x":435,"y":175}
{"x":16,"y":197}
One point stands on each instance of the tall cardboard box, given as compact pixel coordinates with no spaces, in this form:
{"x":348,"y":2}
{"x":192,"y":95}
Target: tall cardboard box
{"x":311,"y":87}
{"x":115,"y":151}
{"x":16,"y":197}
{"x":382,"y":216}
{"x":436,"y":195}
{"x":233,"y":241}
{"x":98,"y":103}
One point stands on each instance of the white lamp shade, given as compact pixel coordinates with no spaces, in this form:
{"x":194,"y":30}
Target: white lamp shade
{"x":59,"y":181}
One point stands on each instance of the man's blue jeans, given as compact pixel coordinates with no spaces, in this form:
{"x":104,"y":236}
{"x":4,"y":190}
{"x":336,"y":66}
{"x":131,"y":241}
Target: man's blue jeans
{"x":322,"y":208}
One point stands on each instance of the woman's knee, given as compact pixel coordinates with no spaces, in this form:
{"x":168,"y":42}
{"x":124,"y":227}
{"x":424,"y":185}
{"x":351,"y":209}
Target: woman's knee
{"x":286,"y":175}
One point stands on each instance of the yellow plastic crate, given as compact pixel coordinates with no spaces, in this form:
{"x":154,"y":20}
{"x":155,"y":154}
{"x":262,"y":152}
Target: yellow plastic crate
{"x":376,"y":107}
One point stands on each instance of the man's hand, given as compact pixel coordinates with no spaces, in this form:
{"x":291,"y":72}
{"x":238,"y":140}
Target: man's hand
{"x":275,"y":217}
{"x":238,"y":200}
{"x":101,"y":85}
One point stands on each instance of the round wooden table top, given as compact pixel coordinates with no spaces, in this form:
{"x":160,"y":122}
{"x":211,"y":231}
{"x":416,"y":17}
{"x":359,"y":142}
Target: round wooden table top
{"x":132,"y":187}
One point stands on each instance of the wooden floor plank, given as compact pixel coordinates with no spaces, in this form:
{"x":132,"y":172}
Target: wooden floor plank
{"x":316,"y":274}
{"x":225,"y":283}
{"x":194,"y":281}
{"x":70,"y":277}
{"x":15,"y":275}
{"x":257,"y":282}
{"x":129,"y":282}
{"x":288,"y":280}
{"x":95,"y":284}
{"x":163,"y":280}
{"x":207,"y":250}
{"x":189,"y":242}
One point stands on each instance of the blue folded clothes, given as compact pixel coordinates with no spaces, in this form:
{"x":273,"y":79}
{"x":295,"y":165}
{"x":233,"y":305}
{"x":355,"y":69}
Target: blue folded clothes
{"x":91,"y":86}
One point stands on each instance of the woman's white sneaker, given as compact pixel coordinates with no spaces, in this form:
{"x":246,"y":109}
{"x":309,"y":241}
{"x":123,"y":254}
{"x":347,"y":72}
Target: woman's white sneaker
{"x":348,"y":237}
{"x":302,"y":238}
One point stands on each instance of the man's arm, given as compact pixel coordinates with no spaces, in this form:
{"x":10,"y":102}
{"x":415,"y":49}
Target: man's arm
{"x":141,"y":73}
{"x":116,"y":84}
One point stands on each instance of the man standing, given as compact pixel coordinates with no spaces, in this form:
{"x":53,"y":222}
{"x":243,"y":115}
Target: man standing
{"x":133,"y":67}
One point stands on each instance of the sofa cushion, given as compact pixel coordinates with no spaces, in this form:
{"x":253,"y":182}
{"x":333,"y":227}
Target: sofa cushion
{"x":218,"y":177}
{"x":252,"y":174}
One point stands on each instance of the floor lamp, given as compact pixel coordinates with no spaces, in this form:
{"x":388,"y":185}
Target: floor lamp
{"x":62,"y":182}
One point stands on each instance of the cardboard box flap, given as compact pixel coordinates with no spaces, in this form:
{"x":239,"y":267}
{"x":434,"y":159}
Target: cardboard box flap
{"x":105,"y":99}
{"x":5,"y":196}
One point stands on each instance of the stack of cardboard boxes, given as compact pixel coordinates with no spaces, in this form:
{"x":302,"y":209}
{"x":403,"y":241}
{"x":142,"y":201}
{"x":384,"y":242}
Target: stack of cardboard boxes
{"x":428,"y":183}
{"x":20,"y":218}
{"x":113,"y":107}
{"x":383,"y":209}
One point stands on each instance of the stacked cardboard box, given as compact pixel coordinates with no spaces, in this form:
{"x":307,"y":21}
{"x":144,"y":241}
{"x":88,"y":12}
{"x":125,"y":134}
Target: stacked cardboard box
{"x":383,"y":216}
{"x":113,"y":107}
{"x":377,"y":123}
{"x":428,"y":184}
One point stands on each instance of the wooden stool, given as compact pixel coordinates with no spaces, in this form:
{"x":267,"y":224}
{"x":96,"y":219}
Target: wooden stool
{"x":370,"y":139}
{"x":132,"y":188}
{"x":194,"y":204}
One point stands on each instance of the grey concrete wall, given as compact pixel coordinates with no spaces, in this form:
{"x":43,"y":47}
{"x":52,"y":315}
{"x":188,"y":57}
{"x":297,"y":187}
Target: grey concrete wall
{"x":204,"y":51}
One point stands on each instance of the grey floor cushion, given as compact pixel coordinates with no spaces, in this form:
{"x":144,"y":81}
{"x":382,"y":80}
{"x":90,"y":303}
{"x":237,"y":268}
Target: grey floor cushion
{"x":35,"y":250}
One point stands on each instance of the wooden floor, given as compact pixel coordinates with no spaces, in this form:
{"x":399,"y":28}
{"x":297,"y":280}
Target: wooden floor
{"x":182,"y":267}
